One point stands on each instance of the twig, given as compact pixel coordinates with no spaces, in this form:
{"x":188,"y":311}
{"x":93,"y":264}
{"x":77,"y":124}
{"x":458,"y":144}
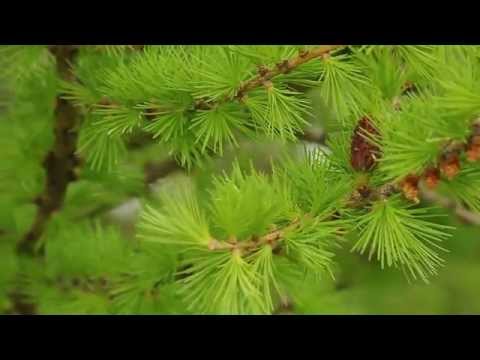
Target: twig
{"x":285,"y":307}
{"x":153,"y":172}
{"x":285,"y":67}
{"x":313,"y":136}
{"x":272,"y":238}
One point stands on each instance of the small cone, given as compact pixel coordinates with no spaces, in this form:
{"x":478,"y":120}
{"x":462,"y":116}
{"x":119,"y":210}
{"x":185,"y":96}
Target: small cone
{"x":363,"y":152}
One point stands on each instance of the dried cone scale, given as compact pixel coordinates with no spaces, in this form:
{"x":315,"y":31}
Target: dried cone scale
{"x":473,"y":151}
{"x":410,"y":189}
{"x":432,"y":177}
{"x":473,"y":146}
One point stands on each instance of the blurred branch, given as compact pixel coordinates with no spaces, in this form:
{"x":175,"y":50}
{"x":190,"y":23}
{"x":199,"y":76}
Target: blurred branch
{"x":156,"y":171}
{"x":61,"y":161}
{"x":316,"y":136}
{"x":285,"y":307}
{"x":468,"y":217}
{"x":139,"y":141}
{"x":153,"y":171}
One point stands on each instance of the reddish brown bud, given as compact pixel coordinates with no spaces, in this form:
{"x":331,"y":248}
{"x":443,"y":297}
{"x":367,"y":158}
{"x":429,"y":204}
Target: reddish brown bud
{"x":473,"y":148}
{"x":363,"y":152}
{"x":410,"y":188}
{"x":450,"y":165}
{"x":432,"y":177}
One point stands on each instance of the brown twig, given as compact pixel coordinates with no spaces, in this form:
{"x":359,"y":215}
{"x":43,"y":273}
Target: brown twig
{"x":272,"y":238}
{"x":265,"y":75}
{"x":285,"y":67}
{"x":152,"y":172}
{"x":61,"y":161}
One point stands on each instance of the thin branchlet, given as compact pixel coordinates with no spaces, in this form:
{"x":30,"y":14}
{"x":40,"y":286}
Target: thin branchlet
{"x":272,"y":239}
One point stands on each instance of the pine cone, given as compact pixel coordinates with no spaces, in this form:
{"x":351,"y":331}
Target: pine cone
{"x":363,"y":152}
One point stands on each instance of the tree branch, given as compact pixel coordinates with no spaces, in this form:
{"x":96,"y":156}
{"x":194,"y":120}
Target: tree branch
{"x":61,"y":161}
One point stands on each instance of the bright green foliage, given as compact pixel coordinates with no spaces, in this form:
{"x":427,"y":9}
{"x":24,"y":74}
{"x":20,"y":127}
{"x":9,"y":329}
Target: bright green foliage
{"x":219,"y":73}
{"x":215,"y":127}
{"x":222,"y":283}
{"x":343,"y":86}
{"x":408,"y":141}
{"x":244,"y":205}
{"x":264,"y":265}
{"x":312,"y":247}
{"x":19,"y":62}
{"x":102,"y":150}
{"x":282,"y":108}
{"x":401,"y":237}
{"x":241,"y":207}
{"x":228,"y":236}
{"x":385,"y":73}
{"x":166,"y":82}
{"x":180,"y":221}
{"x":84,"y":250}
{"x":318,"y":185}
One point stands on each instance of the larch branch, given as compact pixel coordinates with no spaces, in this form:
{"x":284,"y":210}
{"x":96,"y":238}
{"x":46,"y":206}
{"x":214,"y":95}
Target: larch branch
{"x":61,"y":161}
